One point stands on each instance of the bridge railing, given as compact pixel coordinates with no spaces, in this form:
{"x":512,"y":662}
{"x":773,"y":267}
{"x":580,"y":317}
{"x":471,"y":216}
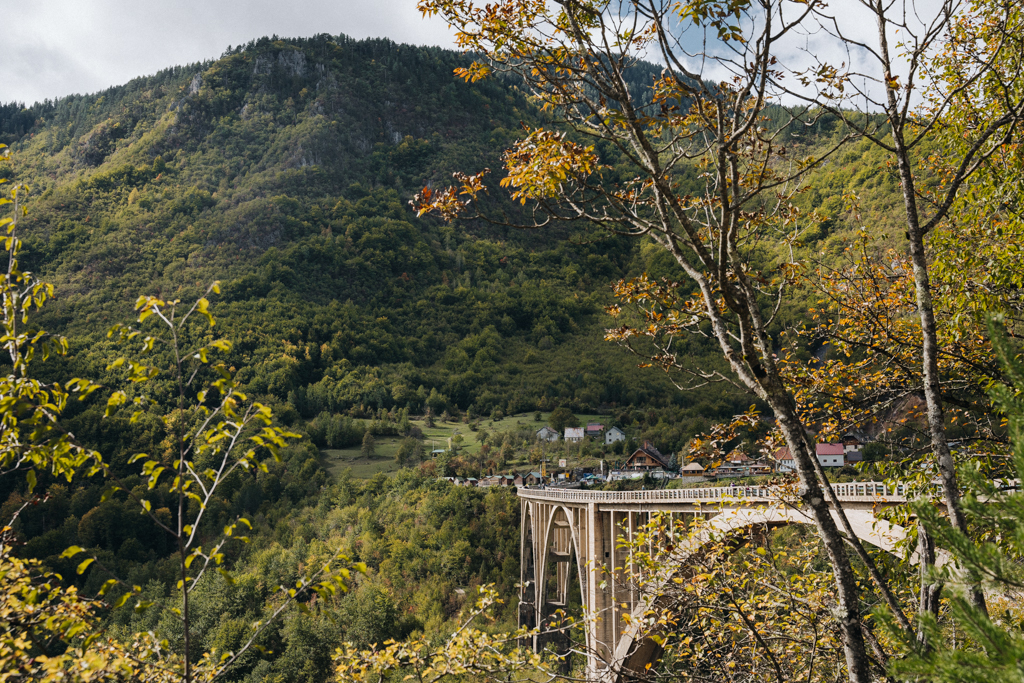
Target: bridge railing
{"x":861,"y":491}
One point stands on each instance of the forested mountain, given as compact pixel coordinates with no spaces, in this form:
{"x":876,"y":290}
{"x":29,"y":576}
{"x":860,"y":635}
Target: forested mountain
{"x":283,"y":169}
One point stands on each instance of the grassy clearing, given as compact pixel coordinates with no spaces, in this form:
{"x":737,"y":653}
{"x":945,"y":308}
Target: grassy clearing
{"x":383,"y":460}
{"x":437,"y":437}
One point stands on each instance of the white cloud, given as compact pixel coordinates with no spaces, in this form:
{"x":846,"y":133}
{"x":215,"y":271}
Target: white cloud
{"x":58,"y":47}
{"x":812,"y":42}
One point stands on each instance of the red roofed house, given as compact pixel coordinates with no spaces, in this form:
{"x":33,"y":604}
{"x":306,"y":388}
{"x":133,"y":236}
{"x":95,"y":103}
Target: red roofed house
{"x":831,"y":454}
{"x":736,"y":464}
{"x":784,"y":461}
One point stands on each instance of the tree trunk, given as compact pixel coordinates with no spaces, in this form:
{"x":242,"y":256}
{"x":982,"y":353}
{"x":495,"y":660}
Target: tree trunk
{"x":925,"y":308}
{"x":928,"y":598}
{"x":847,"y":593}
{"x":930,"y":356}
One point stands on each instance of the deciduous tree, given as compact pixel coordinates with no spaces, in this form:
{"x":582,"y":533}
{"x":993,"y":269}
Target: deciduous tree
{"x":698,"y":170}
{"x":561,"y":418}
{"x":927,"y":71}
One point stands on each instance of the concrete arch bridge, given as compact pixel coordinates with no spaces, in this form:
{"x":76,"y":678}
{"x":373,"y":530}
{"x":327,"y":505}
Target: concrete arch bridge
{"x":576,"y":533}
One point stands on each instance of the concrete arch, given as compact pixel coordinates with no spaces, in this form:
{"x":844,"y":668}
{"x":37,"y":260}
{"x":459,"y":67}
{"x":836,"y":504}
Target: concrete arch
{"x":527,"y":567}
{"x":593,"y":521}
{"x":550,"y":528}
{"x":629,"y":655}
{"x":561,"y":536}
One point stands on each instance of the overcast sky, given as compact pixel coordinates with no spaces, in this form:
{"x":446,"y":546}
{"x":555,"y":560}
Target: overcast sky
{"x":53,"y":48}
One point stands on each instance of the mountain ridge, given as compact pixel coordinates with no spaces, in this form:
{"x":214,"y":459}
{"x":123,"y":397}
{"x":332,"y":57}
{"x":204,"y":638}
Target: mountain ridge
{"x":283,"y":170}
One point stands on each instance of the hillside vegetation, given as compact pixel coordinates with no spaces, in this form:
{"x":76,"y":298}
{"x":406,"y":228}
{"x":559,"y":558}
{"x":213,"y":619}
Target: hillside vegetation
{"x":283,"y":170}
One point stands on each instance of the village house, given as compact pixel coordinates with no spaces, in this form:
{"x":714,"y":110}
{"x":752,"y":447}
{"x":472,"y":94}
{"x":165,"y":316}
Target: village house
{"x":533,"y":479}
{"x":694,"y":469}
{"x":645,"y":458}
{"x":594,"y":430}
{"x":831,"y":454}
{"x":851,"y":442}
{"x":498,"y":480}
{"x":574,"y":434}
{"x":614,"y":435}
{"x":546,"y":433}
{"x":852,"y":447}
{"x":736,"y":464}
{"x":784,"y":461}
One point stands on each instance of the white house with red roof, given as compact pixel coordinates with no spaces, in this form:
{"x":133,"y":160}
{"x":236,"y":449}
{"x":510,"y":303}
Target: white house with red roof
{"x":831,"y":454}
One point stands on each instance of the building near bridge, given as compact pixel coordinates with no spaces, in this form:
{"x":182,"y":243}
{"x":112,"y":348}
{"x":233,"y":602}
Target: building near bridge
{"x":498,"y":480}
{"x":831,"y":454}
{"x":546,"y":433}
{"x":784,"y":461}
{"x":694,"y":469}
{"x":532,"y":479}
{"x":646,"y":458}
{"x":828,"y":454}
{"x":614,"y":435}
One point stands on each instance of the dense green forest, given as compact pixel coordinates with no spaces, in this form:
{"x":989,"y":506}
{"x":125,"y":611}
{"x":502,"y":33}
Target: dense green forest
{"x":283,"y":170}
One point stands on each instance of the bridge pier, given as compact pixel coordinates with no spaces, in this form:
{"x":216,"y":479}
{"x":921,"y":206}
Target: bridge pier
{"x":600,"y":636}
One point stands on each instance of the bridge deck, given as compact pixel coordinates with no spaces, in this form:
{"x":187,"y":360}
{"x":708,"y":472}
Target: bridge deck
{"x":853,"y":492}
